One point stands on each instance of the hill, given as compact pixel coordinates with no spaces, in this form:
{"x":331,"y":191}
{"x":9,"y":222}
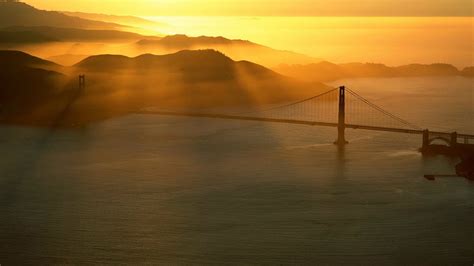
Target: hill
{"x":16,"y":59}
{"x":21,"y":14}
{"x":237,"y":49}
{"x":21,"y":24}
{"x":326,"y":71}
{"x":27,"y":84}
{"x":43,"y":34}
{"x":117,"y":85}
{"x":122,"y":20}
{"x":24,"y":37}
{"x":80,"y":42}
{"x":181,"y":42}
{"x":468,"y":71}
{"x":202,"y":77}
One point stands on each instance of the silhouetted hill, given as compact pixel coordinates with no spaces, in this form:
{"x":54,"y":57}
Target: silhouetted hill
{"x":26,"y":85}
{"x":118,"y":85}
{"x":427,"y":70}
{"x":21,"y":34}
{"x":24,"y":36}
{"x":122,"y":20}
{"x":15,"y":59}
{"x":186,"y":59}
{"x":366,"y":70}
{"x":23,"y":87}
{"x":192,"y":79}
{"x":182,"y":42}
{"x":21,"y":14}
{"x":191,"y":65}
{"x":237,"y":49}
{"x":325,"y":71}
{"x":468,"y":72}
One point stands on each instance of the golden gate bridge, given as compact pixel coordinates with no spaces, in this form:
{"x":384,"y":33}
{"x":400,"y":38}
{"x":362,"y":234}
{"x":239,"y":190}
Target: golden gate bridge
{"x":341,"y":108}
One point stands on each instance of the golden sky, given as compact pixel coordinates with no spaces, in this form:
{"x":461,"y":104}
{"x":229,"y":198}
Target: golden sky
{"x":264,"y":7}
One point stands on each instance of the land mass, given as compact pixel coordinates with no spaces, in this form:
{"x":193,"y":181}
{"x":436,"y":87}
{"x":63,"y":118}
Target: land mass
{"x":45,"y":34}
{"x":48,"y":38}
{"x":39,"y":92}
{"x":21,"y":14}
{"x":122,"y":20}
{"x":326,"y":71}
{"x":237,"y":49}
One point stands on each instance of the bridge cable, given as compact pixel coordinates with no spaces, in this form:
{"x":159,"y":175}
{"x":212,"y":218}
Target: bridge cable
{"x":383,"y":111}
{"x":293,"y":103}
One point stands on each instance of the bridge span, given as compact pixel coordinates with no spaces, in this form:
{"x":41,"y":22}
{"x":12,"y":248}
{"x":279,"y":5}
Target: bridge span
{"x":334,"y":105}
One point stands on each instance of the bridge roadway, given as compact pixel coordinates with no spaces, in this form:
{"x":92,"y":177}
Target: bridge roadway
{"x":298,"y":122}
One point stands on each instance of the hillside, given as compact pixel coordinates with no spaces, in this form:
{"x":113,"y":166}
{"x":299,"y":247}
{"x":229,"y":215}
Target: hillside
{"x":236,"y":49}
{"x":24,"y":37}
{"x":43,"y":34}
{"x":89,"y":42}
{"x":326,"y":71}
{"x":26,"y":28}
{"x":181,"y":42}
{"x":203,"y":77}
{"x":21,"y":14}
{"x":27,"y":84}
{"x":122,"y":20}
{"x":118,"y":85}
{"x":468,"y":71}
{"x":15,"y":59}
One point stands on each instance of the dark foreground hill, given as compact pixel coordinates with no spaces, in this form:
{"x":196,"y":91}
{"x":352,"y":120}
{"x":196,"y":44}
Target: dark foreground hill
{"x":16,"y":59}
{"x":39,"y":92}
{"x":326,"y":71}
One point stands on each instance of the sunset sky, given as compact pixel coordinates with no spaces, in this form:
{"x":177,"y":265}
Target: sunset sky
{"x":265,"y":7}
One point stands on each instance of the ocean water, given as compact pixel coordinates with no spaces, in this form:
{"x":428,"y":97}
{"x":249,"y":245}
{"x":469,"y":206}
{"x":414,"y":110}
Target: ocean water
{"x":165,"y":190}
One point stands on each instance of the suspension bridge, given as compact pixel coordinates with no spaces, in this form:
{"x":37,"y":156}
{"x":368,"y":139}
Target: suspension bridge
{"x":341,"y":108}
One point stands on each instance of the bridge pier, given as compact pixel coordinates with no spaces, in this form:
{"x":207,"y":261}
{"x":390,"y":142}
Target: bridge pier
{"x":341,"y":124}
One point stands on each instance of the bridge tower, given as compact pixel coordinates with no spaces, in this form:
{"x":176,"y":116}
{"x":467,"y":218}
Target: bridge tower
{"x":454,"y":139}
{"x":82,"y":82}
{"x":426,"y":139}
{"x":341,"y":124}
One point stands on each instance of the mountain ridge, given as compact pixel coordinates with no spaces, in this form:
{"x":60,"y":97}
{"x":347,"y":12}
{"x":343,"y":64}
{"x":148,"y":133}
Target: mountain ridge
{"x":56,"y":34}
{"x":19,"y":13}
{"x":326,"y":71}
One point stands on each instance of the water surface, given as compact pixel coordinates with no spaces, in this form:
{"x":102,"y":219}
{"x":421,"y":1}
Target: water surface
{"x":149,"y":189}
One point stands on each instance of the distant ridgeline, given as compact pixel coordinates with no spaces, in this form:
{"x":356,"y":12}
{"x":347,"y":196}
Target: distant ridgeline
{"x":326,"y":71}
{"x":16,"y":13}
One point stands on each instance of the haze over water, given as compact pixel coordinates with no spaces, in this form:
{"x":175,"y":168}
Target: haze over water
{"x":150,"y":189}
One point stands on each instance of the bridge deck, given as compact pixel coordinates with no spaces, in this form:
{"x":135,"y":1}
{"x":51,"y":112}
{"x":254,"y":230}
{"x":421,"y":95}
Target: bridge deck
{"x":291,"y":121}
